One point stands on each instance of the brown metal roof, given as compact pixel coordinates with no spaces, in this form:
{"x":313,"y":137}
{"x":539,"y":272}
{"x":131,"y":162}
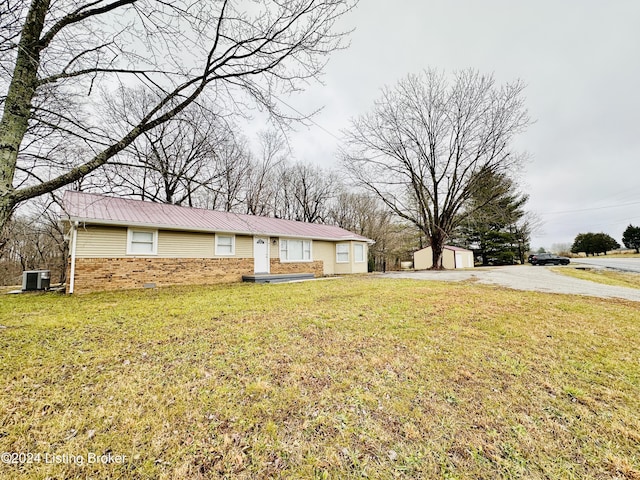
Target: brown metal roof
{"x":101,"y":209}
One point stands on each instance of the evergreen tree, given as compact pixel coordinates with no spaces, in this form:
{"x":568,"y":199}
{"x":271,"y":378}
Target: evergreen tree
{"x":631,"y":238}
{"x":594,"y":243}
{"x":605,"y":243}
{"x":494,"y":227}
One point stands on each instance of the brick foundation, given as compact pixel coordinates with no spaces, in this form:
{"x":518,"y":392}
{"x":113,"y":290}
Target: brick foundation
{"x":317,"y":267}
{"x":99,"y":274}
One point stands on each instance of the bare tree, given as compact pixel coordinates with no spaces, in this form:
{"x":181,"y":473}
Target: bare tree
{"x":172,"y":162}
{"x":353,"y":211}
{"x":365,"y":214}
{"x":313,"y":188}
{"x":421,"y":148}
{"x":304,"y":192}
{"x":55,"y":55}
{"x":283,"y":200}
{"x":35,"y":241}
{"x":233,"y":161}
{"x":260,"y":186}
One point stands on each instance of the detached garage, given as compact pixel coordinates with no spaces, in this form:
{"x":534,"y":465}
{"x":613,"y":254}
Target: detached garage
{"x":452,"y":257}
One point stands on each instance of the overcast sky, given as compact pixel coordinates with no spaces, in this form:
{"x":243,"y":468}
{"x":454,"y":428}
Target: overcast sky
{"x":579,"y":59}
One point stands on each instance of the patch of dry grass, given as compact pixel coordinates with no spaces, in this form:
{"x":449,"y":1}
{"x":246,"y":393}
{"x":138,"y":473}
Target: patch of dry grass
{"x":342,"y":379}
{"x":624,"y":255}
{"x":606,"y":277}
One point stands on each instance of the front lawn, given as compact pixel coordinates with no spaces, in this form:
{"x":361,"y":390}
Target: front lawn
{"x":332,"y":379}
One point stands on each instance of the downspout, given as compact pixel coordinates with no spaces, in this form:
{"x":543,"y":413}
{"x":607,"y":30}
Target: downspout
{"x":74,"y":238}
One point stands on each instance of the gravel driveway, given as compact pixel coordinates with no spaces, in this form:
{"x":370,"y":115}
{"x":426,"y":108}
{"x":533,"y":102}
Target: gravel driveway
{"x":525,"y":277}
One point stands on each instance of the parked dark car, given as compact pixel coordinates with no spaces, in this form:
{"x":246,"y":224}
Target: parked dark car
{"x":548,"y":259}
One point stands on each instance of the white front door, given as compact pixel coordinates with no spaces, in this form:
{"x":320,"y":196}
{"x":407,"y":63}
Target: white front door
{"x":261,"y":255}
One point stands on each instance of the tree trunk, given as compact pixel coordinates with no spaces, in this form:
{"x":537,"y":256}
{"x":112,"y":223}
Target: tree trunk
{"x":17,"y":106}
{"x":6,"y":210}
{"x":437,"y":246}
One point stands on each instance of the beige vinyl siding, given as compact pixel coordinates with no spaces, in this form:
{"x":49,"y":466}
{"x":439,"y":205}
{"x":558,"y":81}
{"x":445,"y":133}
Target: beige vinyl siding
{"x":111,"y":242}
{"x":347,"y":267}
{"x":360,"y":267}
{"x":101,"y":242}
{"x":175,"y":244}
{"x":325,"y":251}
{"x":95,"y":241}
{"x":274,"y":250}
{"x":244,"y":247}
{"x":352,"y":266}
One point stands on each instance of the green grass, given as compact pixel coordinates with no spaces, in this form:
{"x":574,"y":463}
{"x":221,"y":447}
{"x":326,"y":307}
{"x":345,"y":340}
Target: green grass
{"x":339,"y":379}
{"x":605,"y":277}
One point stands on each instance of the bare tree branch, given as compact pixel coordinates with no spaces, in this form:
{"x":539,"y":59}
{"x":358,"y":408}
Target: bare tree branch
{"x":178,"y":51}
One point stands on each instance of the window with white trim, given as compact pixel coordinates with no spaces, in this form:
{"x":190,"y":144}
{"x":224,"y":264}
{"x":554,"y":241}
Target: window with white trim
{"x":225,"y":245}
{"x":358,"y":252}
{"x":295,"y":250}
{"x":342,"y":253}
{"x":142,"y":242}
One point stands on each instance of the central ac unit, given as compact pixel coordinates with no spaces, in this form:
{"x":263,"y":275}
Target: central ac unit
{"x":36,"y":280}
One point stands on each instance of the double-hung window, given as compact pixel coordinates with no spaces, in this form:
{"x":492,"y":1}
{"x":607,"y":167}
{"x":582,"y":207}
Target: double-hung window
{"x":225,"y":245}
{"x":358,"y":253}
{"x":142,"y":242}
{"x":342,"y":253}
{"x":295,"y":250}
